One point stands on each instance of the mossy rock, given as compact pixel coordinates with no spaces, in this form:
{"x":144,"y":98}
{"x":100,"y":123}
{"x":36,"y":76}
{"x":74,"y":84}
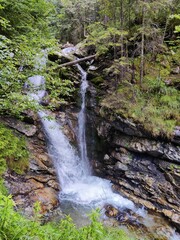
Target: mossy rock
{"x":13,"y":152}
{"x":97,"y":80}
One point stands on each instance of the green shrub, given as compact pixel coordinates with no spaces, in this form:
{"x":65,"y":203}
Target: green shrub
{"x":13,"y":226}
{"x":13,"y":152}
{"x":155,"y":106}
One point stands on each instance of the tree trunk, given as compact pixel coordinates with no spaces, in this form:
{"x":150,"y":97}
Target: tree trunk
{"x":76,"y":61}
{"x":142,"y":46}
{"x":122,"y":39}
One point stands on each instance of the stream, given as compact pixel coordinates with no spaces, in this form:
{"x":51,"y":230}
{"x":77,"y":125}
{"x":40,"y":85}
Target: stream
{"x":81,"y":191}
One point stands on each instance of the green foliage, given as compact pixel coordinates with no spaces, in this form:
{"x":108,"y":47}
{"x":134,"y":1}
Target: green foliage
{"x":176,"y":17}
{"x":97,"y":80}
{"x":3,"y":189}
{"x":24,"y":31}
{"x":60,"y":90}
{"x":13,"y":226}
{"x":13,"y":152}
{"x":155,"y":105}
{"x":73,"y":18}
{"x":25,"y":17}
{"x":104,"y":37}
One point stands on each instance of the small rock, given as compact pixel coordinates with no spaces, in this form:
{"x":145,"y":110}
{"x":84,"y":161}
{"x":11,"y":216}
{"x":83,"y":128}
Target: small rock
{"x":111,"y":211}
{"x":121,"y":166}
{"x":47,"y":198}
{"x":41,"y":136}
{"x":92,"y":68}
{"x":53,"y":184}
{"x":106,"y":157}
{"x":123,"y":150}
{"x":175,"y":70}
{"x":35,"y":184}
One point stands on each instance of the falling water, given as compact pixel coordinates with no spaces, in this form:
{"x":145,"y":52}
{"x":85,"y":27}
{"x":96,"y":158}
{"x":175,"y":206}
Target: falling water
{"x":78,"y":186}
{"x":82,"y":124}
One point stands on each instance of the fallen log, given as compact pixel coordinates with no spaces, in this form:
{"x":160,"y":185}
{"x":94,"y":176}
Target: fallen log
{"x":76,"y":61}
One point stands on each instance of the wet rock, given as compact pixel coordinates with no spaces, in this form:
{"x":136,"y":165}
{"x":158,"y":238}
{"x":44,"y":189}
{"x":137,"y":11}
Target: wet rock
{"x":123,"y":150}
{"x":124,"y":158}
{"x":111,"y":211}
{"x":120,"y":124}
{"x":26,"y":190}
{"x":176,"y":135}
{"x":41,"y":178}
{"x":121,"y":166}
{"x":41,"y":136}
{"x":35,"y":184}
{"x":69,"y":133}
{"x":175,"y":217}
{"x":126,"y":126}
{"x":37,"y":166}
{"x":39,"y":183}
{"x":53,"y":184}
{"x":124,"y":217}
{"x":59,"y":56}
{"x":103,"y":129}
{"x":149,"y":181}
{"x":47,"y":197}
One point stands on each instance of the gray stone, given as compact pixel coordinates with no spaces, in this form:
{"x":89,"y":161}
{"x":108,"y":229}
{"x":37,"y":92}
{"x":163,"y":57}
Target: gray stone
{"x":176,"y":70}
{"x":121,"y":166}
{"x":151,"y":147}
{"x":27,"y":129}
{"x":106,"y":157}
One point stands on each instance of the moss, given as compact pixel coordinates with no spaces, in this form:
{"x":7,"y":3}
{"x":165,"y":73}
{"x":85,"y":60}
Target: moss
{"x":3,"y":190}
{"x":174,"y":167}
{"x":97,"y":80}
{"x":13,"y":152}
{"x":155,"y":106}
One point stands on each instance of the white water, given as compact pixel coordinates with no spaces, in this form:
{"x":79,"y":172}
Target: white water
{"x":76,"y":186}
{"x":37,"y":87}
{"x":82,"y":124}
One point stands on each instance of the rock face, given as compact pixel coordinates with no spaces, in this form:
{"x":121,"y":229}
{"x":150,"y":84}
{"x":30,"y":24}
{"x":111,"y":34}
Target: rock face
{"x":145,"y":170}
{"x":28,"y":130}
{"x":141,"y":168}
{"x":39,"y":183}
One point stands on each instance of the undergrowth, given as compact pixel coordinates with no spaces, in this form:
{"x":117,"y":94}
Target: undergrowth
{"x":13,"y":152}
{"x":154,"y":104}
{"x":14,"y":226}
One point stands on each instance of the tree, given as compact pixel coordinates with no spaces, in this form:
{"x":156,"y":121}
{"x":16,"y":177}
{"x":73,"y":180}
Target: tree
{"x":74,"y":17}
{"x":24,"y":31}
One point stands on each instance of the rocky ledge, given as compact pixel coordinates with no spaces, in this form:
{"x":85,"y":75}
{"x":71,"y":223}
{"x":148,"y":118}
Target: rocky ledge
{"x":39,"y":183}
{"x":145,"y":170}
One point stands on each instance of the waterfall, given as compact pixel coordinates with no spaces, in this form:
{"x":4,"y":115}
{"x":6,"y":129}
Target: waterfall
{"x":82,"y":123}
{"x":73,"y":170}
